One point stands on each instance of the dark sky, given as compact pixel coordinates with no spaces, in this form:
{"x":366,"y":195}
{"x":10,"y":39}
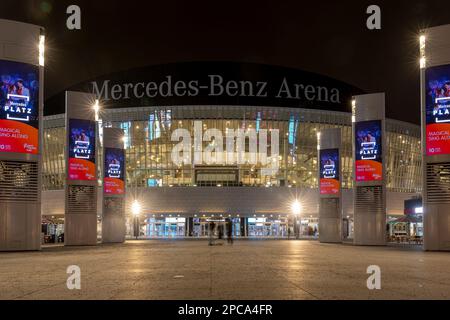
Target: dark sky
{"x":327,"y":37}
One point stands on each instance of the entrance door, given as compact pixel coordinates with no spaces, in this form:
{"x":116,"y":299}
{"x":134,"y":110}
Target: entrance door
{"x":171,"y":230}
{"x":258,"y":228}
{"x":174,"y":230}
{"x":279,"y":229}
{"x":166,"y":227}
{"x":159,"y":230}
{"x":200,"y":228}
{"x":236,"y":227}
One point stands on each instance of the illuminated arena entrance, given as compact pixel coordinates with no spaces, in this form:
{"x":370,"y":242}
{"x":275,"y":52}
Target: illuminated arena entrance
{"x":202,"y":226}
{"x":180,"y":198}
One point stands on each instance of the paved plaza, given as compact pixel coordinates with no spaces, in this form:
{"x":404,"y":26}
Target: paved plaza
{"x":246,"y":270}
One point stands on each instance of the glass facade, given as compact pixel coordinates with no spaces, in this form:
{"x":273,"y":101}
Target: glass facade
{"x":149,"y":145}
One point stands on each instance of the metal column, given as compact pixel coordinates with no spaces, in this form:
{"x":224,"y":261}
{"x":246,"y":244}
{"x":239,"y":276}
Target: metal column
{"x":21,"y":63}
{"x":330,"y":203}
{"x":81,"y":170}
{"x":435,"y":106}
{"x":114,"y":170}
{"x":369,"y":150}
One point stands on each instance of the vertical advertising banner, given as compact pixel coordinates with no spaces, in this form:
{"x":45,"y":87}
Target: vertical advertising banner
{"x":329,"y":172}
{"x":437,"y":110}
{"x":81,"y":150}
{"x":19,"y":107}
{"x":114,"y":166}
{"x":368,"y":148}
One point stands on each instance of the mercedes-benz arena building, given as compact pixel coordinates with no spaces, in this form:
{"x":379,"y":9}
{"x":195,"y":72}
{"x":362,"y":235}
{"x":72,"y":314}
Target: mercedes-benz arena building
{"x":179,"y":200}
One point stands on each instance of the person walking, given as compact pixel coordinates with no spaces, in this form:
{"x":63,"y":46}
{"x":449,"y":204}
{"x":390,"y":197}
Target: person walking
{"x":220,"y":227}
{"x":212,"y":225}
{"x":229,"y":231}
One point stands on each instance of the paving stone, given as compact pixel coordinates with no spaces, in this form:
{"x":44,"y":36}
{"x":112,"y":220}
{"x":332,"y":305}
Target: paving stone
{"x":254,"y":270}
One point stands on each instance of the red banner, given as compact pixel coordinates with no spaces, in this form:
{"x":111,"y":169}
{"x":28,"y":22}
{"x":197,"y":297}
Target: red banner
{"x":80,"y":169}
{"x":18,"y":137}
{"x":113,"y":186}
{"x":438,"y":139}
{"x":369,"y":170}
{"x":329,"y":186}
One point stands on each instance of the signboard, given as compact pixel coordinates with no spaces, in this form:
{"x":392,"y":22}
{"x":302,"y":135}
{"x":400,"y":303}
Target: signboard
{"x":114,"y":166}
{"x":368,"y":148}
{"x":81,"y":150}
{"x":19,"y":107}
{"x":215,"y":83}
{"x":329,"y":171}
{"x":438,"y":110}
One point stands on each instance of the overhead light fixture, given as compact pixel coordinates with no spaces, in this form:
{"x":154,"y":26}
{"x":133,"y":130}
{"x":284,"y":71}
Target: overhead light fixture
{"x":42,"y":50}
{"x":96,"y":109}
{"x":296,"y":207}
{"x":136,"y":208}
{"x":423,"y":59}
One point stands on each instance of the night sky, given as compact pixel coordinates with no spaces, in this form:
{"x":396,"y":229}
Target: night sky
{"x":327,"y":37}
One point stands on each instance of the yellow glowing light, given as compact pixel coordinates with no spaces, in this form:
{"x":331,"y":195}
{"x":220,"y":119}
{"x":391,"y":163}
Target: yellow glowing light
{"x":96,"y":106}
{"x":422,"y":40}
{"x":42,"y":50}
{"x":136,"y":208}
{"x":423,"y":60}
{"x":423,"y":63}
{"x":296,"y":207}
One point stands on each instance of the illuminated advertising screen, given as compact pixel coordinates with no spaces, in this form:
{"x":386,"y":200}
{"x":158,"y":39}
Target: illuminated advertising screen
{"x":114,"y":166}
{"x":329,"y":171}
{"x":438,"y":110}
{"x":19,"y":102}
{"x":368,"y":148}
{"x":81,"y":150}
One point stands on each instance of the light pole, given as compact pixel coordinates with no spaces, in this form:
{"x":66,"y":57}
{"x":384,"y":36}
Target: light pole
{"x":136,"y":211}
{"x":296,"y":211}
{"x":96,"y":108}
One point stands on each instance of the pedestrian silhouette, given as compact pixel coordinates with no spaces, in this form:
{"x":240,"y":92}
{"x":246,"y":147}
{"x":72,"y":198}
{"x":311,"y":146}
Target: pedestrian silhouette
{"x":220,"y":231}
{"x":229,"y":231}
{"x":212,"y":226}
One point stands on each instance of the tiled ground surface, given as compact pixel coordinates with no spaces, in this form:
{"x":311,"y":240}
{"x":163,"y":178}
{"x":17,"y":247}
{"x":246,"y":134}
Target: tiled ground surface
{"x":246,"y":270}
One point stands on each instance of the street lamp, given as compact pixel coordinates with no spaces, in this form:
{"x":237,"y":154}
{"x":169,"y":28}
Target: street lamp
{"x":136,"y":211}
{"x":423,"y":59}
{"x":41,"y":48}
{"x":98,"y":130}
{"x":296,"y":208}
{"x":96,"y":108}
